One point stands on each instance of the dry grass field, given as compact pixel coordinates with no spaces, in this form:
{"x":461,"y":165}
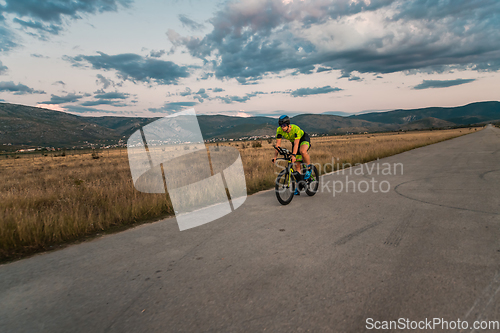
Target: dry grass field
{"x":47,"y":201}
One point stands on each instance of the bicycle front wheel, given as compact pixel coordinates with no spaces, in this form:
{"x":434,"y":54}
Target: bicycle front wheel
{"x":284,"y":187}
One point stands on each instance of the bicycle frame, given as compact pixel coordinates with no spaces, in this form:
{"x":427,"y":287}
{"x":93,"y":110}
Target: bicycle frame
{"x":287,"y":157}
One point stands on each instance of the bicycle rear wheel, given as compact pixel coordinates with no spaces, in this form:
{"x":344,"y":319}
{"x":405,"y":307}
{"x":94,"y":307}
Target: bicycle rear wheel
{"x":284,"y":187}
{"x":313,"y":182}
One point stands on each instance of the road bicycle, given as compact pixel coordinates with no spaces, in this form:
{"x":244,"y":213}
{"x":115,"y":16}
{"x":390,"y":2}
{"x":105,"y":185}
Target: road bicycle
{"x":289,"y":179}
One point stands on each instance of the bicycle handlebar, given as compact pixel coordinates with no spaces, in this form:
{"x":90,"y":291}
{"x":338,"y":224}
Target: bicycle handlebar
{"x":283,"y":151}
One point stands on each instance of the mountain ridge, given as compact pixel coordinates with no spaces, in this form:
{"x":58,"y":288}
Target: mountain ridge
{"x":25,"y":126}
{"x":472,"y":113}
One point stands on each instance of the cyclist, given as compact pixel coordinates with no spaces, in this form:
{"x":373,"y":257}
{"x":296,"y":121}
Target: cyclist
{"x":300,"y":144}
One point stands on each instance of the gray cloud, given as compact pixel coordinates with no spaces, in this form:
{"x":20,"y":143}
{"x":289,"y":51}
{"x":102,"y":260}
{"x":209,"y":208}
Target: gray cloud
{"x":41,"y":27}
{"x":427,"y":84}
{"x":104,"y":81}
{"x":172,"y":107}
{"x":18,"y":89}
{"x":201,"y":95}
{"x":205,"y":76}
{"x":323,"y":69}
{"x":36,"y":55}
{"x":7,"y":38}
{"x":112,"y":95}
{"x":313,"y":91}
{"x":103,"y":102}
{"x":305,"y":70}
{"x":54,"y":10}
{"x":156,"y":54}
{"x":69,"y":98}
{"x":190,"y":24}
{"x":232,"y":99}
{"x":249,"y":41}
{"x":250,"y":80}
{"x":50,"y":16}
{"x":199,"y":98}
{"x":239,"y":99}
{"x":59,"y":82}
{"x":134,"y":67}
{"x":108,"y":98}
{"x":461,"y":9}
{"x":255,"y":93}
{"x":186,"y":92}
{"x":3,"y":69}
{"x":218,"y":90}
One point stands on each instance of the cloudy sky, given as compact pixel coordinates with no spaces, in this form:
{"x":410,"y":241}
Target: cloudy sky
{"x":248,"y":57}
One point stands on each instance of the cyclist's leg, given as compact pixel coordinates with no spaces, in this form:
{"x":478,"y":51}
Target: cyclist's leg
{"x":298,"y":159}
{"x":298,"y":167}
{"x":303,"y":148}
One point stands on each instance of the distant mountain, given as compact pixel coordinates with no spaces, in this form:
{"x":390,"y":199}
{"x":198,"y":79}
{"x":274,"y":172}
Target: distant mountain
{"x":219,"y":126}
{"x":216,"y":126}
{"x":29,"y":126}
{"x":338,"y":113}
{"x":327,"y":124}
{"x":427,"y":123}
{"x":463,"y":115}
{"x":124,"y":126}
{"x":24,"y":126}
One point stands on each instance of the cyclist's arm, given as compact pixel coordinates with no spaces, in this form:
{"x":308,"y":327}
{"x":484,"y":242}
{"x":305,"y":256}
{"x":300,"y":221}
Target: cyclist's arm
{"x":278,"y":144}
{"x":296,"y":146}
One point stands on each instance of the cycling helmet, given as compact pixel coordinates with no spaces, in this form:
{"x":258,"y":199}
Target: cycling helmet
{"x":284,"y":120}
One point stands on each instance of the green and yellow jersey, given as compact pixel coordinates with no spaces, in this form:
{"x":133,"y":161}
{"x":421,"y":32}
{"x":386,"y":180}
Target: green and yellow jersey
{"x":295,"y":133}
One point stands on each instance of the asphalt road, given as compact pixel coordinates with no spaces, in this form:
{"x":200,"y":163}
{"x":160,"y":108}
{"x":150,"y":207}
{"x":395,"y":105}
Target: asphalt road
{"x":428,"y":248}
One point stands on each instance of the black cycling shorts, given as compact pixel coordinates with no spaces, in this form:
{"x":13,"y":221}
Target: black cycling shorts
{"x":304,"y":138}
